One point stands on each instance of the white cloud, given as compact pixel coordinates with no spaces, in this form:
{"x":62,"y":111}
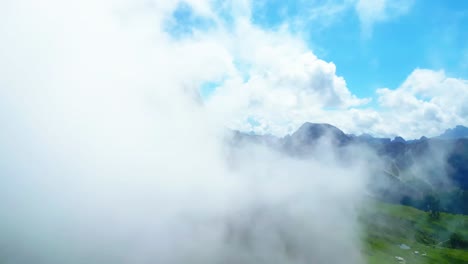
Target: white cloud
{"x":325,"y":13}
{"x":106,"y":158}
{"x":270,"y":82}
{"x":427,"y":103}
{"x":286,"y":85}
{"x":371,"y":12}
{"x":318,"y":15}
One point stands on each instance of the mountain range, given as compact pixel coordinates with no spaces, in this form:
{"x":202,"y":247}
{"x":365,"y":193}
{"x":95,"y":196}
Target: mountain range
{"x":313,"y":131}
{"x":410,"y":171}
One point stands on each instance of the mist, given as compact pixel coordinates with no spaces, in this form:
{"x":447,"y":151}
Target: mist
{"x":108,"y":154}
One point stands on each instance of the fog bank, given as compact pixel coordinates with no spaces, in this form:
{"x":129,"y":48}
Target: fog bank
{"x":109,"y":157}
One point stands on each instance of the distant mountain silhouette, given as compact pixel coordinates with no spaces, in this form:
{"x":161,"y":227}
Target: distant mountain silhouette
{"x":398,"y":152}
{"x":311,"y":132}
{"x":411,"y":169}
{"x":399,"y":139}
{"x":455,"y":133}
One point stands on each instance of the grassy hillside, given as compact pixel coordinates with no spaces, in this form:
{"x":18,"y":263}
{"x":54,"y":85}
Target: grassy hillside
{"x":425,"y":240}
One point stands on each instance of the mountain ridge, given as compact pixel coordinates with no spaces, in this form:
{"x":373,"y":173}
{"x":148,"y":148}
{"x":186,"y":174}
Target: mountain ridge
{"x":411,"y":168}
{"x":312,"y":131}
{"x":455,"y":133}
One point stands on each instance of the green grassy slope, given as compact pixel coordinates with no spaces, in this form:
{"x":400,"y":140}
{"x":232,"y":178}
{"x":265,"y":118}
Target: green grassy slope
{"x":388,"y":226}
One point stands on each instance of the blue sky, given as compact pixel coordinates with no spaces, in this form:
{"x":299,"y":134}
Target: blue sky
{"x":433,"y":34}
{"x":367,"y":66}
{"x":383,"y":67}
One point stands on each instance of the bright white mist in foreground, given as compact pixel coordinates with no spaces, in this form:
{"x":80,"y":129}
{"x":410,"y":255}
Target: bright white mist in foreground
{"x":107,"y":157}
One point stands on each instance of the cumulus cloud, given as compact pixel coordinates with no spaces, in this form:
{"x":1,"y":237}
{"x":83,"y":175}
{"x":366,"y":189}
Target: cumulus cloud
{"x":268,"y":81}
{"x":286,"y":84}
{"x":426,"y":103}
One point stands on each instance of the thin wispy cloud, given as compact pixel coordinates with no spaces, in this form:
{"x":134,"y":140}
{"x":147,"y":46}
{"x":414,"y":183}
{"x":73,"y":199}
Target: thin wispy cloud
{"x":372,"y":12}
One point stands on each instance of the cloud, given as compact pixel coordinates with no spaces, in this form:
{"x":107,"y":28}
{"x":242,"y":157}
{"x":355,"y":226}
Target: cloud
{"x":108,"y":156}
{"x":371,"y":12}
{"x":326,"y":13}
{"x":427,"y":103}
{"x":269,"y":82}
{"x":280,"y":83}
{"x":318,"y":15}
{"x":303,"y":17}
